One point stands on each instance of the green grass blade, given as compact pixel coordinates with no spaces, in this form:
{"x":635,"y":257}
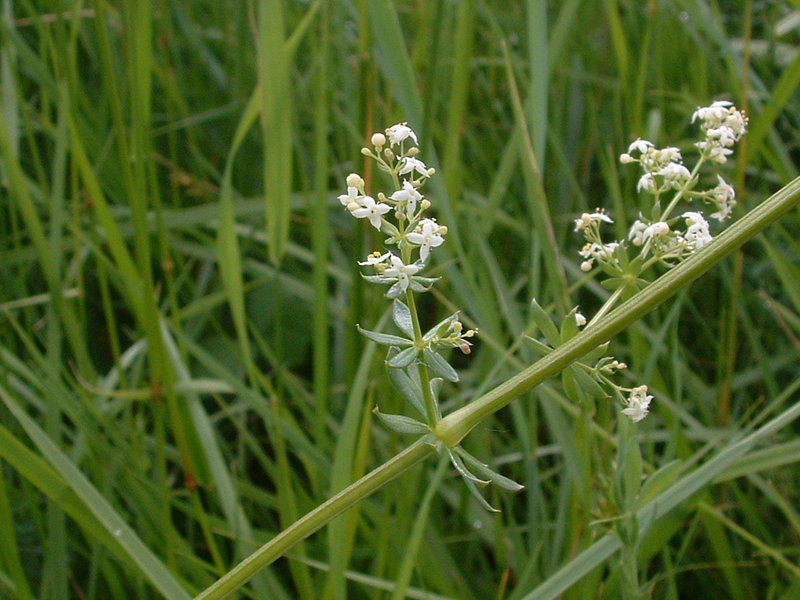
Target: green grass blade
{"x":144,"y":558}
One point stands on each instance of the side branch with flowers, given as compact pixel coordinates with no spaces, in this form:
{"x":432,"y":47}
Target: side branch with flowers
{"x":417,"y":366}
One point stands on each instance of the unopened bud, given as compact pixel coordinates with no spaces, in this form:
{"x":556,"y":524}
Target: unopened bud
{"x":355,"y":180}
{"x":378,"y":140}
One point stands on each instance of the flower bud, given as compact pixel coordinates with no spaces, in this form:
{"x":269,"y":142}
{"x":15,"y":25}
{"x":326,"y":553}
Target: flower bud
{"x":378,"y":140}
{"x":355,"y":180}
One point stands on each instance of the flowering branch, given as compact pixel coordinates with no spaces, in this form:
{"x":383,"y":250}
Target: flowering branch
{"x":413,"y":358}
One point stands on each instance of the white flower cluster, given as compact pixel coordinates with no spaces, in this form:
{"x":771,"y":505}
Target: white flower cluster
{"x":663,"y":167}
{"x":410,"y":230}
{"x":723,"y":126}
{"x":637,"y":405}
{"x":665,"y":241}
{"x":664,"y":236}
{"x":594,"y":249}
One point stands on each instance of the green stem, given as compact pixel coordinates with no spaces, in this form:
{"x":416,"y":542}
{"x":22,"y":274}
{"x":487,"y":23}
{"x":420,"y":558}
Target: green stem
{"x":684,"y":190}
{"x":431,"y":414}
{"x":452,"y":428}
{"x":311,"y":522}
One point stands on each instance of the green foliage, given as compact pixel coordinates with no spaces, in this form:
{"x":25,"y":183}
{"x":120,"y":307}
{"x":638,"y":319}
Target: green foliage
{"x":181,"y":378}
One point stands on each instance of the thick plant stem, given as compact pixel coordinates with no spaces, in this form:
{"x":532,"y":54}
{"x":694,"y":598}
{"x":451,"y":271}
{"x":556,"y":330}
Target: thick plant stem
{"x":311,"y":522}
{"x":452,"y":428}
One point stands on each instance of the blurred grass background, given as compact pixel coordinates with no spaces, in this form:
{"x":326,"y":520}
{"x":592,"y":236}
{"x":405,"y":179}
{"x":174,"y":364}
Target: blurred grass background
{"x":180,"y":374}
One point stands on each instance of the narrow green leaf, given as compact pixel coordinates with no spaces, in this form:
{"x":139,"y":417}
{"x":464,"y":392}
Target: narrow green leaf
{"x":569,"y":326}
{"x":659,"y":481}
{"x":401,"y":423}
{"x":463,"y":471}
{"x":440,"y":366}
{"x":409,"y":388}
{"x":441,"y":327}
{"x":545,"y":324}
{"x":401,"y":315}
{"x":483,"y":469}
{"x":403,"y":359}
{"x":386,"y":339}
{"x":538,"y":347}
{"x":276,"y":123}
{"x":587,"y":383}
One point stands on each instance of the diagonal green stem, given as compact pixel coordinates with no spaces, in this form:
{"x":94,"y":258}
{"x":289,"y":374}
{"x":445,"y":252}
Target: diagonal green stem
{"x":452,"y":429}
{"x":314,"y":520}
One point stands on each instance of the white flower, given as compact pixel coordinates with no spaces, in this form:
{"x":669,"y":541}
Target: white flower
{"x":592,"y":251}
{"x":408,"y":198}
{"x":657,"y":229}
{"x":723,"y":135}
{"x":400,"y":132}
{"x":647,"y":183}
{"x":587,"y":219}
{"x":640,"y":146}
{"x":697,"y":233}
{"x":637,"y":404}
{"x":580,"y":320}
{"x":723,"y":196}
{"x":427,"y":235}
{"x":714,"y":114}
{"x":369,"y":209}
{"x":636,"y":234}
{"x":375,"y":258}
{"x":400,"y":271}
{"x":352,"y":196}
{"x":413,"y":164}
{"x":670,"y":154}
{"x":715,"y":153}
{"x":675,"y":175}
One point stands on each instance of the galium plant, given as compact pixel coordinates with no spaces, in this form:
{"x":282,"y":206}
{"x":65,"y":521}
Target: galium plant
{"x":416,"y":360}
{"x":578,"y":349}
